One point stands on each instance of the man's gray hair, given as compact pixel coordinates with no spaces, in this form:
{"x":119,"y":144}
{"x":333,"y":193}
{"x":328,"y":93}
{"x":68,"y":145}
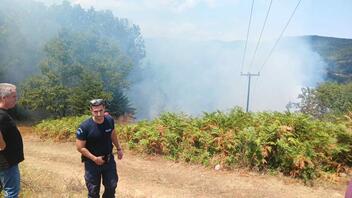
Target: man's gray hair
{"x":6,"y":89}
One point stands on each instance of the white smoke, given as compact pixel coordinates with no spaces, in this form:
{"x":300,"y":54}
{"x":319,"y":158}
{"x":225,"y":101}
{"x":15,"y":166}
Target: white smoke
{"x":196,"y":77}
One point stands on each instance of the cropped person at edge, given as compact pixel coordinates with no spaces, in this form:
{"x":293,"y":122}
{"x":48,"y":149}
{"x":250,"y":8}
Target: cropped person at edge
{"x":11,"y":144}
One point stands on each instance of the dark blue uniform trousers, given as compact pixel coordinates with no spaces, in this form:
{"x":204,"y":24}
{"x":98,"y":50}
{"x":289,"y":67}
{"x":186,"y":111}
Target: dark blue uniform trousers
{"x":93,"y":175}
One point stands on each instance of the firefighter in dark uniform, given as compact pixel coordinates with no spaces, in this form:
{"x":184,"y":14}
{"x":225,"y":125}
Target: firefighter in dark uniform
{"x":95,"y":138}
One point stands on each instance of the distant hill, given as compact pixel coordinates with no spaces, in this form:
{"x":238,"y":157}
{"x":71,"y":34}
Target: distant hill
{"x":337,"y":53}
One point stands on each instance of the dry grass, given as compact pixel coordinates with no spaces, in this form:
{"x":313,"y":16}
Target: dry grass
{"x":42,"y":183}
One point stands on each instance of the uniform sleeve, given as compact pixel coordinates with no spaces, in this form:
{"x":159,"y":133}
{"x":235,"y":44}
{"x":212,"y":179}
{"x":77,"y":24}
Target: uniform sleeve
{"x":81,"y":133}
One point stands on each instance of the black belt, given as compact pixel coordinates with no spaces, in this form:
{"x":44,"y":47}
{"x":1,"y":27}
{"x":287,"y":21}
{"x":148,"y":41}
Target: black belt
{"x":106,"y":158}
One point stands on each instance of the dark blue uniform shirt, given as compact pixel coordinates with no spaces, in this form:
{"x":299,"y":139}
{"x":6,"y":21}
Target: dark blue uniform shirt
{"x":97,"y":136}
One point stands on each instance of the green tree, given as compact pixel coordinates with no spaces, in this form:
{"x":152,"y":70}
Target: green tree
{"x":78,"y":68}
{"x":27,"y":26}
{"x":71,"y":53}
{"x":119,"y":104}
{"x":336,"y":97}
{"x":327,"y":98}
{"x":102,"y":24}
{"x":45,"y":93}
{"x":88,"y":88}
{"x":310,"y":103}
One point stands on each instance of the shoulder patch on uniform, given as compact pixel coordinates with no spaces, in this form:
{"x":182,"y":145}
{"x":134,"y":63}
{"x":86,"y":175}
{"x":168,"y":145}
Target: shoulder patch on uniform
{"x":108,"y":130}
{"x":79,"y":131}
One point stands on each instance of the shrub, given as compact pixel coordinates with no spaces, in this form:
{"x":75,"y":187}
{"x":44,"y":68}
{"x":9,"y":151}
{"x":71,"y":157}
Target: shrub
{"x":60,"y":129}
{"x":292,"y":143}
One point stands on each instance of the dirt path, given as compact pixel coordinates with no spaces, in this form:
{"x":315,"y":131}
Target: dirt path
{"x":54,"y":170}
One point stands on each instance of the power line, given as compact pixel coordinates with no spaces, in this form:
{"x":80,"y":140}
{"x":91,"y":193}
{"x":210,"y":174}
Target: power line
{"x":245,"y":47}
{"x":281,"y":34}
{"x":260,"y":36}
{"x":277,"y":41}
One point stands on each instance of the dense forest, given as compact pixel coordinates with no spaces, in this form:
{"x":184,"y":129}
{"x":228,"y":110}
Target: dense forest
{"x":63,"y":55}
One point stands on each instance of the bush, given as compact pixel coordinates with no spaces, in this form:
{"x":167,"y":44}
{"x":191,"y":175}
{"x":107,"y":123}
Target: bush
{"x":292,"y":143}
{"x":295,"y":144}
{"x":60,"y":129}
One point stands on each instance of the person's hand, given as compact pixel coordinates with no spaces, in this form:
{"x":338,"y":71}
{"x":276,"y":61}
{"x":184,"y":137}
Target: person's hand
{"x":119,"y":154}
{"x":99,"y":160}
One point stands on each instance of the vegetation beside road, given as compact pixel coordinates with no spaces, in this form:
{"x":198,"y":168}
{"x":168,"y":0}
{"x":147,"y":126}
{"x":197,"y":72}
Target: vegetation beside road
{"x":294,"y":144}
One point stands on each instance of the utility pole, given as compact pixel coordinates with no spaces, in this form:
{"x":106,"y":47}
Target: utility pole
{"x":249,"y":86}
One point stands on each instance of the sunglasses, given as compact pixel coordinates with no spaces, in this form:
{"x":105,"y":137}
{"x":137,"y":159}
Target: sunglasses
{"x":96,"y":102}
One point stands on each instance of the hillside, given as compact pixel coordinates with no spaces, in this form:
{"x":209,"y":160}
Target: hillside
{"x":337,"y":54}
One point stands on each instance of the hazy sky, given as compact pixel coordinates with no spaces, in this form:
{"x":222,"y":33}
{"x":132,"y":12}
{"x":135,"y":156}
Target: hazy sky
{"x":198,"y":76}
{"x":228,"y":19}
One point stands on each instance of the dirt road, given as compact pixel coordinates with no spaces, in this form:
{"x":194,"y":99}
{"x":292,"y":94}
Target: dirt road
{"x":54,"y":170}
